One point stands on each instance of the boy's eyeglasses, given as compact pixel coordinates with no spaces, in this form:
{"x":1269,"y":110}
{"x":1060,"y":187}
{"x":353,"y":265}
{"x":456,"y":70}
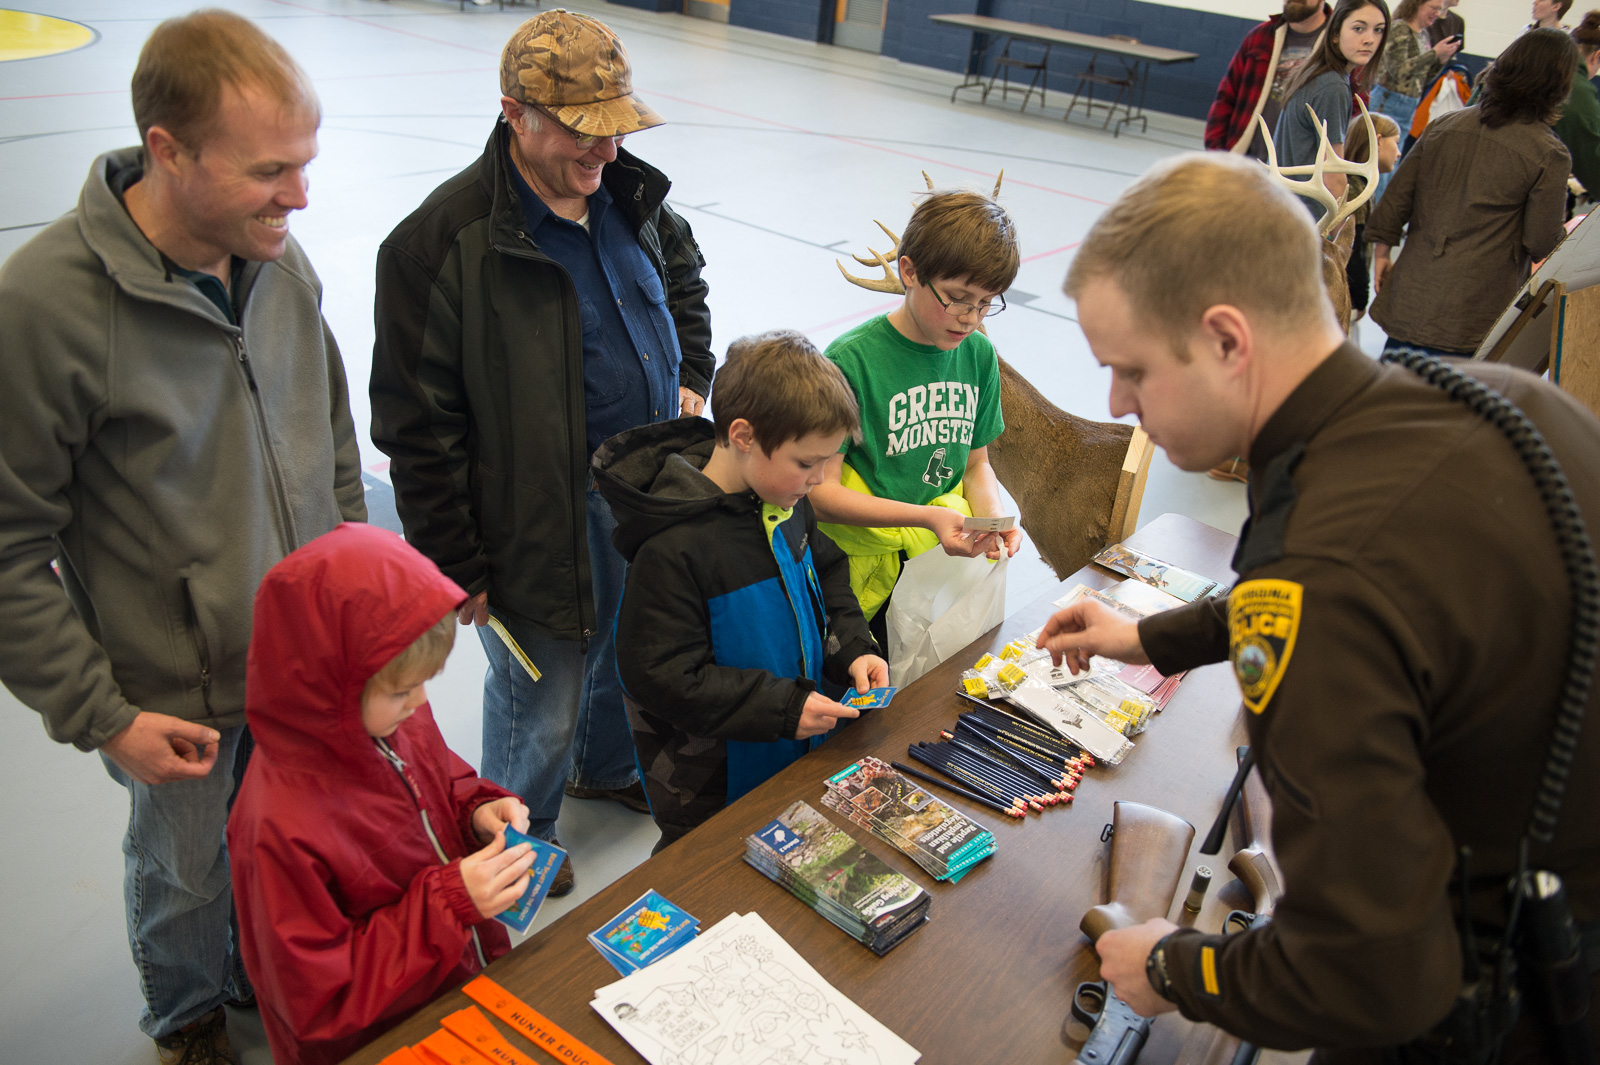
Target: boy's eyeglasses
{"x":961,"y":310}
{"x":583,"y":140}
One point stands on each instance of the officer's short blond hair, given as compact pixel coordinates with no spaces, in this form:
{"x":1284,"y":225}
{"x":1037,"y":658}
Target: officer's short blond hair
{"x":424,"y":658}
{"x":187,"y":61}
{"x":1203,"y":229}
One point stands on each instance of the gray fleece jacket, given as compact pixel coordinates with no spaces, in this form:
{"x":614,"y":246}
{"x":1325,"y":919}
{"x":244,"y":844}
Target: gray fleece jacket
{"x":163,"y":457}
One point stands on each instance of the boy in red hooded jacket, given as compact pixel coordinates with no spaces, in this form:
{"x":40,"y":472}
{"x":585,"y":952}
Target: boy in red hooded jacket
{"x":367,"y":857}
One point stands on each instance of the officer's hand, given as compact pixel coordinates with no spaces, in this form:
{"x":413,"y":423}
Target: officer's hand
{"x":1086,"y":628}
{"x":1122,"y":956}
{"x":690,"y":401}
{"x":159,"y":749}
{"x":475,"y":611}
{"x":947,"y":525}
{"x":820,"y":714}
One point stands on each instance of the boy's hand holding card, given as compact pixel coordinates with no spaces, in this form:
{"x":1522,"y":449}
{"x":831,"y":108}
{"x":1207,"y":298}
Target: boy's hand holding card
{"x":869,"y":671}
{"x":868,"y":700}
{"x":546,"y":860}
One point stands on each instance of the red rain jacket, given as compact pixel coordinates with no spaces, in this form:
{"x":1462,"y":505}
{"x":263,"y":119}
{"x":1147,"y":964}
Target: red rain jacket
{"x":349,"y":919}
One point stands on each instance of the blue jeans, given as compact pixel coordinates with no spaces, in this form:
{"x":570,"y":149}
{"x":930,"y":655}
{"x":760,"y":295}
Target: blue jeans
{"x":1399,"y":107}
{"x":570,"y":724}
{"x":181,"y":926}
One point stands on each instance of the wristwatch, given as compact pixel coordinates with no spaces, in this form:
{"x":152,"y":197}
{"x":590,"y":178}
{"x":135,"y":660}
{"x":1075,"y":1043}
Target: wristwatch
{"x":1155,"y":968}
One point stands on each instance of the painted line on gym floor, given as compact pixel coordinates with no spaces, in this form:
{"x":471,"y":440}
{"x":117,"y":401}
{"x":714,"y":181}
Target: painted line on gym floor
{"x":331,"y":77}
{"x":858,"y":315}
{"x":841,"y":138}
{"x":1052,"y":251}
{"x":390,"y":29}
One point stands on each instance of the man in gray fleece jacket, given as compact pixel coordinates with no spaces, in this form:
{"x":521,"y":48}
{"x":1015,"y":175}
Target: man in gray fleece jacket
{"x":174,"y":421}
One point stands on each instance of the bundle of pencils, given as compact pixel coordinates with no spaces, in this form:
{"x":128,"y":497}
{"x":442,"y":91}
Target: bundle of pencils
{"x":1003,"y":762}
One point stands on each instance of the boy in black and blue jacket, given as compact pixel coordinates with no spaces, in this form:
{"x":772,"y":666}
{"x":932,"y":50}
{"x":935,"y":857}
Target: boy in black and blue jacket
{"x":736,"y":609}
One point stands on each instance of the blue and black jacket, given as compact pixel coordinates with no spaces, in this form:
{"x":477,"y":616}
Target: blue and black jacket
{"x":733,"y":613}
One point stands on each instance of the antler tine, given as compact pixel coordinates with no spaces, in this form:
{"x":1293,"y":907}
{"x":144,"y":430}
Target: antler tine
{"x":1266,"y":137}
{"x":997,"y":180}
{"x":927,"y":179}
{"x":888,"y":283}
{"x":892,"y":235}
{"x":1368,"y":171}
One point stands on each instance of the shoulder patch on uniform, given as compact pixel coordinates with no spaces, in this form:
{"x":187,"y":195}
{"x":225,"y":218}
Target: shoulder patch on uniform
{"x":1263,"y":621}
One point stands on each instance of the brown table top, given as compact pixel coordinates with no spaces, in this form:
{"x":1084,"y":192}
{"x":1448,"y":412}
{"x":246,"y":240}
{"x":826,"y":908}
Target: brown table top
{"x":1034,"y":32}
{"x":990,"y":977}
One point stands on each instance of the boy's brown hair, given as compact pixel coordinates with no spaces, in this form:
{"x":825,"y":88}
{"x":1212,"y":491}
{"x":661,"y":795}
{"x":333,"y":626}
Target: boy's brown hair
{"x":184,"y":65}
{"x":954,"y":235}
{"x":785,"y":388}
{"x":1199,"y":230}
{"x":424,"y":658}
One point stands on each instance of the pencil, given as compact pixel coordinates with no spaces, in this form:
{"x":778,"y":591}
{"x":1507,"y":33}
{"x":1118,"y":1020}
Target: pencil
{"x":1030,"y":782}
{"x":928,"y":778}
{"x":1049,"y":771}
{"x":1009,"y":786}
{"x":977,"y":783}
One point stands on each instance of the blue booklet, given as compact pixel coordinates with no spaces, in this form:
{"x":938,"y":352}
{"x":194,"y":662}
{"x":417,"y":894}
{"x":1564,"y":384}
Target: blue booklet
{"x":546,"y":861}
{"x":647,"y":931}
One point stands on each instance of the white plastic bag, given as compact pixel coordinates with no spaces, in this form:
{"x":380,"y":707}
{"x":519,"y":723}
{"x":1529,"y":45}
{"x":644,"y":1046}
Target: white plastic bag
{"x":941,"y":603}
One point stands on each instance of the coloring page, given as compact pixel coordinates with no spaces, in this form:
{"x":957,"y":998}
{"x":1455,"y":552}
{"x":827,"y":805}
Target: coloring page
{"x":740,"y":995}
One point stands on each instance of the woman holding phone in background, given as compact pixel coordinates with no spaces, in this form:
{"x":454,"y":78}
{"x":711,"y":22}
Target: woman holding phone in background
{"x":1408,"y":64}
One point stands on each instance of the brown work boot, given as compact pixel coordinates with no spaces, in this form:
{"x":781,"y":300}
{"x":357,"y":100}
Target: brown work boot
{"x":203,"y":1042}
{"x":1232,"y":470}
{"x":631,"y":796}
{"x":565,"y":879}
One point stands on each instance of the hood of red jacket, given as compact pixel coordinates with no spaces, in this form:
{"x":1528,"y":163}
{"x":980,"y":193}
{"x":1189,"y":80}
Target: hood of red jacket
{"x":327,"y":618}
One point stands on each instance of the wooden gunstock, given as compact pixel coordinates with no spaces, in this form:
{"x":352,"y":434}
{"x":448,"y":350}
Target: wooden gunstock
{"x":1259,"y":874}
{"x":1148,"y":850}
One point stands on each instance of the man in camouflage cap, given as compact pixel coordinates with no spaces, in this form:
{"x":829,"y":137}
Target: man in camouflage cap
{"x":537,"y":303}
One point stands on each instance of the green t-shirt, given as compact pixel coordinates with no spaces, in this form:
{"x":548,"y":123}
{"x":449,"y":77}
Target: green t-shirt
{"x":922,"y":409}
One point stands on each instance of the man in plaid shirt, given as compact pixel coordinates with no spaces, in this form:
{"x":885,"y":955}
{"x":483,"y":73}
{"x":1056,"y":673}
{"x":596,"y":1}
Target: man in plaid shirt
{"x":1258,"y":74}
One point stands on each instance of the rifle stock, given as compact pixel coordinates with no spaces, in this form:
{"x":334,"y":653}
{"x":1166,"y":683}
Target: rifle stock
{"x":1148,"y":850}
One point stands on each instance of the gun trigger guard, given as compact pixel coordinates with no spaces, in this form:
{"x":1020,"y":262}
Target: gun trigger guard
{"x":1238,"y":921}
{"x":1089,"y":1001}
{"x":1107,"y":832}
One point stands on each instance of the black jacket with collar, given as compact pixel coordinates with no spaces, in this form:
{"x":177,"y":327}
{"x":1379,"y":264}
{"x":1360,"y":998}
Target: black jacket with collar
{"x":477,"y":382}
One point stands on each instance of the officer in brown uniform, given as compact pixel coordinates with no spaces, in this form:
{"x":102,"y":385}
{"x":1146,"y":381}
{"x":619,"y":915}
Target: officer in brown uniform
{"x":1399,"y":631}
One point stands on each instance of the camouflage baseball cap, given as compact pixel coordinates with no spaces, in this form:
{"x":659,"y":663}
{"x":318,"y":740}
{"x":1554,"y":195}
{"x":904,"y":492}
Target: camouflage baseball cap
{"x":574,"y":67}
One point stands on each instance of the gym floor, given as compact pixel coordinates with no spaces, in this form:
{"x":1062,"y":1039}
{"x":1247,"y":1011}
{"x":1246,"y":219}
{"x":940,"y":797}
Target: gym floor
{"x":782,"y":154}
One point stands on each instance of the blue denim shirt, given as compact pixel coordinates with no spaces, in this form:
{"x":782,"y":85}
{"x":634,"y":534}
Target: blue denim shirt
{"x":630,"y":346}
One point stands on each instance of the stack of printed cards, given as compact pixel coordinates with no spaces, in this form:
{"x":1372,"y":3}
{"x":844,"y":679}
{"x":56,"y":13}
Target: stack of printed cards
{"x":938,"y":837}
{"x":645,"y":932}
{"x":546,"y":861}
{"x":741,"y":993}
{"x":822,"y":866}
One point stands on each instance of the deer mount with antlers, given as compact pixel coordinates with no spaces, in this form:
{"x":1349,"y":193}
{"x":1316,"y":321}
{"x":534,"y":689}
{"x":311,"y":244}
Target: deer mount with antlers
{"x":1338,"y":238}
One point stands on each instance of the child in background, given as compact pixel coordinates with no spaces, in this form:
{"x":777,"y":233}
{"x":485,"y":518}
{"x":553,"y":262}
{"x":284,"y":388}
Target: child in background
{"x":367,"y":857}
{"x":1357,"y":150}
{"x":736,"y":610}
{"x":928,"y":385}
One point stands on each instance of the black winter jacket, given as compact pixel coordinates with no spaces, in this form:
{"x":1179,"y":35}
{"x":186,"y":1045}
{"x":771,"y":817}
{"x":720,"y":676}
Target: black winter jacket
{"x":734,"y":613}
{"x":477,"y":383}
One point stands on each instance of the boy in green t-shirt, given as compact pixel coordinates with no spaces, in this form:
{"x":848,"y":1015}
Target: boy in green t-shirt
{"x":928,"y":385}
